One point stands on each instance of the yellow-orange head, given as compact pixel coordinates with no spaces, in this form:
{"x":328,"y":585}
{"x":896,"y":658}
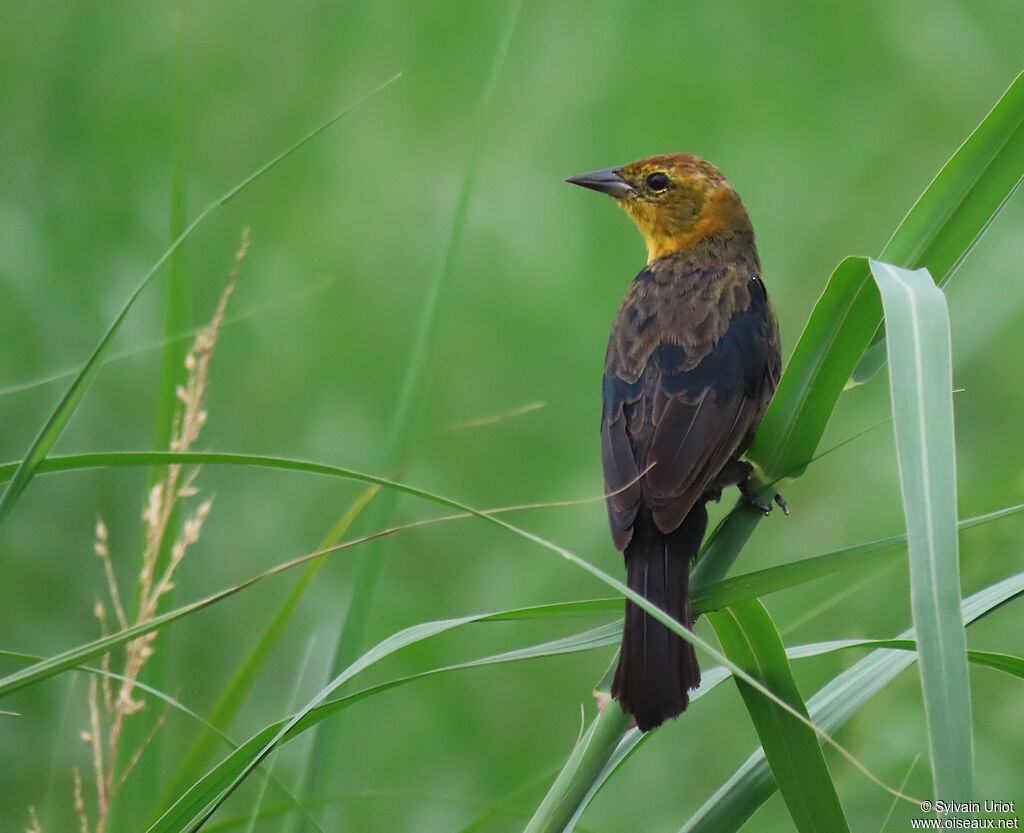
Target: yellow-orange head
{"x":676,"y":200}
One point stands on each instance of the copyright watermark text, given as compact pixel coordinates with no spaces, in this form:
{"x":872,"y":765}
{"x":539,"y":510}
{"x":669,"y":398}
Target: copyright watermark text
{"x":963,"y":815}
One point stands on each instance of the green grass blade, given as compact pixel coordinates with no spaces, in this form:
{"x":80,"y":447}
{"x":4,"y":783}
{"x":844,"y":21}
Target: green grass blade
{"x":172,"y":360}
{"x":66,"y":660}
{"x":230,"y":701}
{"x":1000,"y":662}
{"x":748,"y":636}
{"x":195,"y":805}
{"x":752,"y":585}
{"x":182,"y":336}
{"x":954,"y":211}
{"x":134,"y":458}
{"x":921,"y":384}
{"x":937,"y":233}
{"x":177,"y":705}
{"x":606,"y":635}
{"x":403,"y":424}
{"x":55,"y":424}
{"x":121,"y":459}
{"x":836,"y":335}
{"x":293,"y":701}
{"x":573,"y":558}
{"x":73,"y":657}
{"x":1014,"y":666}
{"x":140,"y":731}
{"x":586,"y":761}
{"x":752,"y":785}
{"x":706,"y":595}
{"x":710,"y":678}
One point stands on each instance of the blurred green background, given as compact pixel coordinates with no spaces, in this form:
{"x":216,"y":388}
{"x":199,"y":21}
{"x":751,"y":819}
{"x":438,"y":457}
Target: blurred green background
{"x":829,"y":120}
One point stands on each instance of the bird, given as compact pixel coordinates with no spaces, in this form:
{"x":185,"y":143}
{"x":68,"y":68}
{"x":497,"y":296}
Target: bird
{"x":693,"y":360}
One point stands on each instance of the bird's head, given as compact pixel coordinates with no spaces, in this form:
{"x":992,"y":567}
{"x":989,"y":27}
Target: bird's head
{"x":676,"y":200}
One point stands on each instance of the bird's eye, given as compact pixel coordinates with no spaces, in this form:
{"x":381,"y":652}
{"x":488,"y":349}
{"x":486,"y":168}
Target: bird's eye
{"x":657,"y":181}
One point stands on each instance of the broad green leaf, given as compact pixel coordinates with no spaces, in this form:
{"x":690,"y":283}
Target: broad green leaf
{"x":752,"y":585}
{"x":55,"y":424}
{"x":941,"y":228}
{"x":752,"y":785}
{"x":954,"y":211}
{"x":921,"y":386}
{"x":937,"y":233}
{"x":748,"y":636}
{"x":838,"y":331}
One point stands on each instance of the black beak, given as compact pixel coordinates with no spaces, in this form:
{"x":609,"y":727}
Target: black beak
{"x":606,"y":181}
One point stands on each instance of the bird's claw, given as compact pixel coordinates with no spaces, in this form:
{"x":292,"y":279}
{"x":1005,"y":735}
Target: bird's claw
{"x":756,"y":500}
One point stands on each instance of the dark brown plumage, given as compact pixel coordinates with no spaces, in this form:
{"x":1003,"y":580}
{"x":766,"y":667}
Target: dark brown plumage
{"x":693,"y":360}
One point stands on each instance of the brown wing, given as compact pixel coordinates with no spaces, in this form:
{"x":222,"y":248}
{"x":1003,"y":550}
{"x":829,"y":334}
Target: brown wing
{"x":668,"y":432}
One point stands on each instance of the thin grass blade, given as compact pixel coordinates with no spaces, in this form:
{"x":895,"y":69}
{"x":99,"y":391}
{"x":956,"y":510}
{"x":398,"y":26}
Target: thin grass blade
{"x":405,"y":418}
{"x":191,"y":810}
{"x":230,"y":701}
{"x":140,"y":731}
{"x":177,"y":705}
{"x":58,"y":419}
{"x":707,"y":595}
{"x":752,"y":585}
{"x":61,"y":661}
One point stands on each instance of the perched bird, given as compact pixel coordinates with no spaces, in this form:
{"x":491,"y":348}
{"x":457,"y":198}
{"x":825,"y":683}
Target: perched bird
{"x":693,"y":360}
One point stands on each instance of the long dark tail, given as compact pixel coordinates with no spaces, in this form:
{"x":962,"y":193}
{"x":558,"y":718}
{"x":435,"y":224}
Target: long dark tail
{"x":657,"y":668}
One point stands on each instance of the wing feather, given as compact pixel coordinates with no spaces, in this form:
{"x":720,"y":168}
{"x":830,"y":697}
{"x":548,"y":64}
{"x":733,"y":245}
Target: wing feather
{"x":671,"y":424}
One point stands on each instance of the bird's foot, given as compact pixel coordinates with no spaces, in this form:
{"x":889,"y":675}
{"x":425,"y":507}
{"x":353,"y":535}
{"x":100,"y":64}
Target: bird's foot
{"x":753,"y":498}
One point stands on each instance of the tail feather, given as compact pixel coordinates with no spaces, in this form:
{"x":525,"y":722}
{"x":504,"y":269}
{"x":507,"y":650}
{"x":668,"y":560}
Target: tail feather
{"x":657,"y":668}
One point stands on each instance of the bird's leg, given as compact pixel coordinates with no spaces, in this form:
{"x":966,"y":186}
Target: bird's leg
{"x":734,"y":473}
